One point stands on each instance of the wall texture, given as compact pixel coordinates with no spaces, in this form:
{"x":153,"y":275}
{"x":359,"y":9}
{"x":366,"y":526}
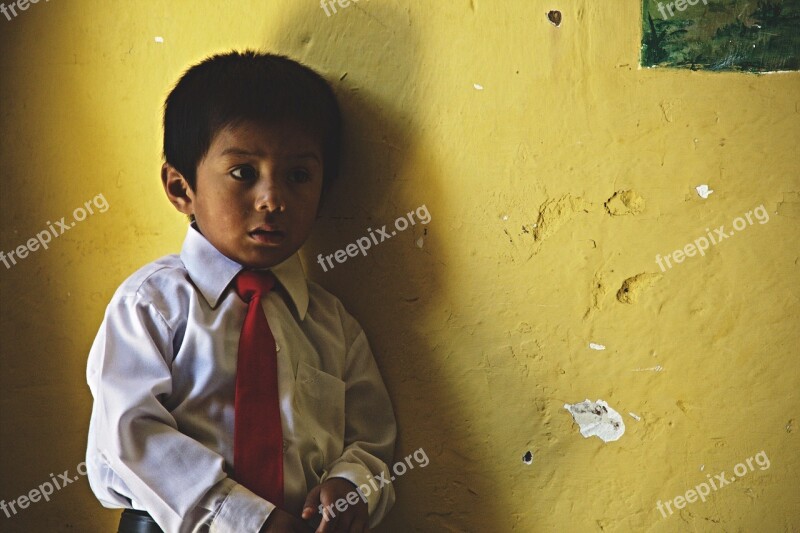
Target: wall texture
{"x":554,"y":171}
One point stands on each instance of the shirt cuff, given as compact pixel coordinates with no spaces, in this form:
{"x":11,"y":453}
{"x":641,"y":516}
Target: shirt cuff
{"x":241,"y":511}
{"x":360,"y":476}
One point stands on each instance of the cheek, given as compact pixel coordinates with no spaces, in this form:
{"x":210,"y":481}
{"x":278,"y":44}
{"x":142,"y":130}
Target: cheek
{"x":229,"y":207}
{"x":307,"y":212}
{"x":311,"y":200}
{"x":224,"y":214}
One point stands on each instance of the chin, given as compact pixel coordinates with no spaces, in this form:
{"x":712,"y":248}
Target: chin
{"x":268,"y":260}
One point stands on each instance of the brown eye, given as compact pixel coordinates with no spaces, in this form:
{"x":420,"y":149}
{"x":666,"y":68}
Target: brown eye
{"x":299,"y":176}
{"x":244,"y":173}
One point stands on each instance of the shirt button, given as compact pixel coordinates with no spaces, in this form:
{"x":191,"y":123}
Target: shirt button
{"x":277,"y":348}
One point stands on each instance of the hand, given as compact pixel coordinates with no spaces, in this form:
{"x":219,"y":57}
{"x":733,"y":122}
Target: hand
{"x":280,"y":521}
{"x":336,"y":490}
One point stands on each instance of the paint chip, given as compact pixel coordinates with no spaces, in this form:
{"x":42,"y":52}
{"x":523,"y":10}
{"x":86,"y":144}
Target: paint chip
{"x":478,"y":87}
{"x":420,"y":242}
{"x":657,"y":368}
{"x":594,"y":346}
{"x":554,"y":17}
{"x":635,"y":416}
{"x":703,"y":191}
{"x":527,"y":458}
{"x":554,"y":213}
{"x":597,"y":419}
{"x":624,"y":202}
{"x":634,"y":286}
{"x":159,"y":39}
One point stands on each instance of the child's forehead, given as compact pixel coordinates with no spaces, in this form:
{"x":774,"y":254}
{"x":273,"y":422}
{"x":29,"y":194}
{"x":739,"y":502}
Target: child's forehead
{"x":257,"y":137}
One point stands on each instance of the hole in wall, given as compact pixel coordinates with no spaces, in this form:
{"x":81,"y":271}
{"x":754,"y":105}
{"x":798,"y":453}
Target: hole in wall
{"x":554,"y":17}
{"x":527,"y":458}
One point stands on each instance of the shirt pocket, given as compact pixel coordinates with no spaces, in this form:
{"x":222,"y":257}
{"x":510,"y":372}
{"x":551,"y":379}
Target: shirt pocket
{"x":319,"y":403}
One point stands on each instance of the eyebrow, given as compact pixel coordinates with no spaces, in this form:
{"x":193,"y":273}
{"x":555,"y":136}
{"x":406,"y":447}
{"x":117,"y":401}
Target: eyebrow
{"x":258,"y":153}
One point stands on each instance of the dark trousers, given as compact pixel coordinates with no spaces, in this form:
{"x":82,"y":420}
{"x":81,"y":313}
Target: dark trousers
{"x":133,"y":521}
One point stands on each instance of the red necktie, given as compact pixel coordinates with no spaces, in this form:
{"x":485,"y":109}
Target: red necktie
{"x":257,"y":435}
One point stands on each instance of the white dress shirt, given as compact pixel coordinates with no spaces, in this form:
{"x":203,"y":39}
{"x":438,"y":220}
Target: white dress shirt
{"x":162,"y":371}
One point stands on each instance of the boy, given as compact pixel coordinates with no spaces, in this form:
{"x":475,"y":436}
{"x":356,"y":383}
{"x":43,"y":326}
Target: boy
{"x":231,"y":394}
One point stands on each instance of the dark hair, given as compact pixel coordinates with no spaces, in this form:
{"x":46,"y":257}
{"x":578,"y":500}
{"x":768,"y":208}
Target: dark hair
{"x":229,"y":88}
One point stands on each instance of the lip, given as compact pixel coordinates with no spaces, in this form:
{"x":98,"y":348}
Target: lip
{"x":267,"y":234}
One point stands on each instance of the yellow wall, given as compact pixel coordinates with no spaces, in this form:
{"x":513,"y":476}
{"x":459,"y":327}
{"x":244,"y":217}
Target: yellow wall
{"x":482,"y":333}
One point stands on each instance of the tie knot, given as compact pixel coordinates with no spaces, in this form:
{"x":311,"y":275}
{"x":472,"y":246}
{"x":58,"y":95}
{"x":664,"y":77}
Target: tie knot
{"x":250,"y":283}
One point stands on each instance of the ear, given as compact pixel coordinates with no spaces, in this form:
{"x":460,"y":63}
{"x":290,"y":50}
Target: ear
{"x":177,"y":189}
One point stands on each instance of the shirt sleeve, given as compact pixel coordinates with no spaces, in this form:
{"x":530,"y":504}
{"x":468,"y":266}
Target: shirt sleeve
{"x":137,"y":456}
{"x":370,"y":431}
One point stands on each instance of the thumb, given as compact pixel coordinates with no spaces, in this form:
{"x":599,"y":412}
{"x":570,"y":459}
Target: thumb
{"x":312,"y":503}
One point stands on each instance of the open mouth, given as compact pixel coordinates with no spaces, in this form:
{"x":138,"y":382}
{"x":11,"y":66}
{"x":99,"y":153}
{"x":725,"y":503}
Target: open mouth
{"x":268,"y":237}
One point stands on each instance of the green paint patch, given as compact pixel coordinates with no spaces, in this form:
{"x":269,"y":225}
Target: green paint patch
{"x":721,"y":35}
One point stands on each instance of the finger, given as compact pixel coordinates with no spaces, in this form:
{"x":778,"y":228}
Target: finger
{"x":298,"y":526}
{"x":328,"y":524}
{"x":339,"y":525}
{"x":346,"y":525}
{"x":312,"y":503}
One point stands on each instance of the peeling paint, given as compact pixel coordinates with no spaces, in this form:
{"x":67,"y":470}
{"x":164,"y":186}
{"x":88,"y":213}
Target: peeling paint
{"x":666,"y":110}
{"x":594,"y":346}
{"x":600,"y":287}
{"x":597,"y":419}
{"x":703,"y":191}
{"x":555,"y":213}
{"x":633,"y":287}
{"x":657,"y":368}
{"x":625,"y":203}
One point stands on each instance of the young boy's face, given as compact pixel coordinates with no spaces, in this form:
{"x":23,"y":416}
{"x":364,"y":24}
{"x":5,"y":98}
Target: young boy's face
{"x":256,"y":194}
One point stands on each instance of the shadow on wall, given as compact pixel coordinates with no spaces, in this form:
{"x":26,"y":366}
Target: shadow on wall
{"x":370,"y":53}
{"x":44,"y":407}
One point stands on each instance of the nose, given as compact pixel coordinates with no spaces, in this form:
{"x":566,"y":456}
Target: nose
{"x":269,"y":195}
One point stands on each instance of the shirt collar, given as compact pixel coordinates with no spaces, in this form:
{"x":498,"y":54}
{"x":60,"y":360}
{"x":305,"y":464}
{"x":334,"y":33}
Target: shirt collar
{"x":290,"y":274}
{"x":212,"y":272}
